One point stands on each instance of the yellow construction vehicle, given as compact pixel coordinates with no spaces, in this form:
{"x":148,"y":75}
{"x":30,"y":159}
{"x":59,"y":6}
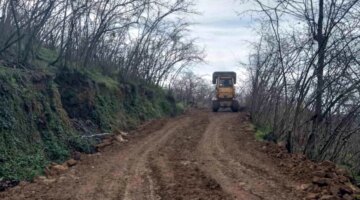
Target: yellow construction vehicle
{"x":225,"y":91}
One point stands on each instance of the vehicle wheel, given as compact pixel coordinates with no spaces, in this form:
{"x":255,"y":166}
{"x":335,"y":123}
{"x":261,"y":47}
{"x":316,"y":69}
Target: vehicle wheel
{"x":215,"y":106}
{"x":235,"y":106}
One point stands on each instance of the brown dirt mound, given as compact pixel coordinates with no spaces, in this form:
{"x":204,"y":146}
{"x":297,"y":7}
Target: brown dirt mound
{"x":323,"y":180}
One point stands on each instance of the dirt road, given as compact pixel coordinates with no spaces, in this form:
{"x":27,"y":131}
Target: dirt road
{"x":200,"y":155}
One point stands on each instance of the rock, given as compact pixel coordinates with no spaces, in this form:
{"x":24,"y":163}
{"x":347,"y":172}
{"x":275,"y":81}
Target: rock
{"x":62,"y":178}
{"x":353,"y":188}
{"x":124,"y":133}
{"x":76,"y":178}
{"x":120,"y":138}
{"x":59,"y":169}
{"x":76,"y":155}
{"x":23,"y":183}
{"x":331,"y":175}
{"x":298,"y":157}
{"x":334,"y":190}
{"x":345,"y":190}
{"x":27,"y":195}
{"x":343,"y":172}
{"x":39,"y":179}
{"x":242,"y":184}
{"x":213,"y":185}
{"x":325,"y":192}
{"x":321,"y":181}
{"x":281,"y":144}
{"x":49,"y":181}
{"x":312,"y":166}
{"x":44,"y":179}
{"x":105,"y":143}
{"x":185,"y":163}
{"x":119,"y":132}
{"x":305,"y":187}
{"x":347,"y":197}
{"x":71,"y":162}
{"x":301,"y":157}
{"x":328,"y":197}
{"x":343,"y":179}
{"x":312,"y":196}
{"x":314,"y":189}
{"x":328,"y":164}
{"x":319,"y":173}
{"x":281,"y":164}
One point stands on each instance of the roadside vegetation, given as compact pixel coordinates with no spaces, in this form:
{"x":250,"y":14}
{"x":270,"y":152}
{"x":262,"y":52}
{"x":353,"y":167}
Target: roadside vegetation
{"x":192,"y":90}
{"x":73,"y":69}
{"x":304,"y":77}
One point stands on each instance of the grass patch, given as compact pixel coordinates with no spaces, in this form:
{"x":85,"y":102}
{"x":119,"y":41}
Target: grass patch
{"x":180,"y":107}
{"x":262,"y":132}
{"x":47,"y":54}
{"x":102,"y":79}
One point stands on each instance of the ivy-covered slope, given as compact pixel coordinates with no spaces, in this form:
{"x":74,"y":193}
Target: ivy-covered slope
{"x":45,"y":116}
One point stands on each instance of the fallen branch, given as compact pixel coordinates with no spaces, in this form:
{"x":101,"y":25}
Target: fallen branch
{"x":96,"y":135}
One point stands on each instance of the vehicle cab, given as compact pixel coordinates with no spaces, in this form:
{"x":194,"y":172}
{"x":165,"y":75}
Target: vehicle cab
{"x":225,"y":91}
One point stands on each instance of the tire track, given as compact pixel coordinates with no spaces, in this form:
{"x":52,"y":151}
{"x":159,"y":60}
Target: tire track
{"x":139,"y":181}
{"x":239,"y":170}
{"x":176,"y":169}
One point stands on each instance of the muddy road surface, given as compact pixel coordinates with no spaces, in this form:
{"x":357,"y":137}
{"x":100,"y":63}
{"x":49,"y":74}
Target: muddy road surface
{"x":200,"y":155}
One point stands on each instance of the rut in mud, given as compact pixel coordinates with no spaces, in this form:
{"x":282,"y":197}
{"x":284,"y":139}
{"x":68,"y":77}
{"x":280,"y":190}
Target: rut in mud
{"x":200,"y":155}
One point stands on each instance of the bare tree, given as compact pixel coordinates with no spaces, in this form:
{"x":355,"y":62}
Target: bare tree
{"x":304,"y":74}
{"x":191,"y":89}
{"x":132,"y":38}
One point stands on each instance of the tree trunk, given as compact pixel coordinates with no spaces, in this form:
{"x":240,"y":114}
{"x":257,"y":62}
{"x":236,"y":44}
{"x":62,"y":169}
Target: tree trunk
{"x":311,"y":147}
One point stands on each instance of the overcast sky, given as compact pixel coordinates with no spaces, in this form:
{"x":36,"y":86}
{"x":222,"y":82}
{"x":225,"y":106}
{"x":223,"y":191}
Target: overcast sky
{"x":223,"y":34}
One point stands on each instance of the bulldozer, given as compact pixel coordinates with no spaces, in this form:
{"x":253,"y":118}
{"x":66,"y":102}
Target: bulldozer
{"x":225,"y":91}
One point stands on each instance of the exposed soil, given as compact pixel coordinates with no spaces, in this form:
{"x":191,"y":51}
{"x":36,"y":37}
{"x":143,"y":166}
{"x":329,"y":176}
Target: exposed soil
{"x":200,"y":155}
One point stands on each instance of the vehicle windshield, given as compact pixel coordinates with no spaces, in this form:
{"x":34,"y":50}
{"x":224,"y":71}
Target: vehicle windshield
{"x":225,"y":83}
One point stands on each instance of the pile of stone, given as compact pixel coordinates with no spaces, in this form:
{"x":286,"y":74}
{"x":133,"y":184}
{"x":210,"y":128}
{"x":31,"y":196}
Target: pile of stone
{"x":322,"y":180}
{"x":330,"y":182}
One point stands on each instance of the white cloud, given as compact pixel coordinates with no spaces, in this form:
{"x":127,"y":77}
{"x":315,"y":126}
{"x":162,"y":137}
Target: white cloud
{"x":224,"y":35}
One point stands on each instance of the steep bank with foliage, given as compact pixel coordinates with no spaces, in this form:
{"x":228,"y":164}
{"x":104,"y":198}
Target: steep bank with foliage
{"x":117,"y":52}
{"x":45,"y":115}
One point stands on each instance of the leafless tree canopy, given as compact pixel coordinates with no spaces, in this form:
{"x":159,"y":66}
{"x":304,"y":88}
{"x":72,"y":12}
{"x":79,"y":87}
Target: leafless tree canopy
{"x":133,"y":38}
{"x":305,"y":76}
{"x":192,"y":90}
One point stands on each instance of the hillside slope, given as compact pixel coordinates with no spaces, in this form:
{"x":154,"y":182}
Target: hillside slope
{"x":47,"y":114}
